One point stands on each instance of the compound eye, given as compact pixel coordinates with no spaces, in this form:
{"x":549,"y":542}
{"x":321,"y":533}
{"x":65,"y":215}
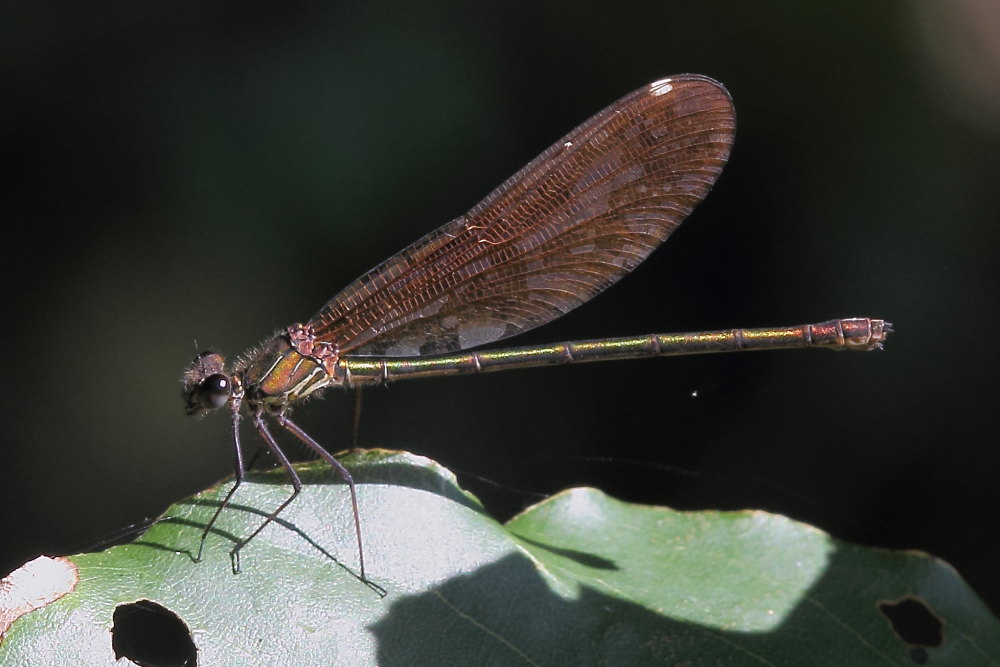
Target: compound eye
{"x":214,"y":391}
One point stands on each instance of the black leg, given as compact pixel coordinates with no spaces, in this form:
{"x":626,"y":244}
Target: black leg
{"x":238,"y":469}
{"x":356,"y":425}
{"x":288,"y":424}
{"x":272,"y":445}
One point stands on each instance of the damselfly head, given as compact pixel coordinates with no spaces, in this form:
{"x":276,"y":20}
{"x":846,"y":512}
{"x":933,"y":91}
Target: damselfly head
{"x":206,"y":384}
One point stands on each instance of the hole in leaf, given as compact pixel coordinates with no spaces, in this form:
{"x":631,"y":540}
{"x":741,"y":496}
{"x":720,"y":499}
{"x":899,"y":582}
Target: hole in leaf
{"x":914,"y":623}
{"x":151,"y":635}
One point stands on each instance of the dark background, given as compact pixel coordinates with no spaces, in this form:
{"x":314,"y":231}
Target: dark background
{"x":174,"y":171}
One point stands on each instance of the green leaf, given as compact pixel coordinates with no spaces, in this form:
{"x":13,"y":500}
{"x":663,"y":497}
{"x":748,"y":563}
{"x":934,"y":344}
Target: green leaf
{"x":578,"y":579}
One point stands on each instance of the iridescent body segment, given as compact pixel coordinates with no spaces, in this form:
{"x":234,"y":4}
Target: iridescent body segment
{"x":861,"y":334}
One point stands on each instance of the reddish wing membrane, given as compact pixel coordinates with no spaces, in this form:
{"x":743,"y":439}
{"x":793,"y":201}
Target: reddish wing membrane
{"x":568,"y":225}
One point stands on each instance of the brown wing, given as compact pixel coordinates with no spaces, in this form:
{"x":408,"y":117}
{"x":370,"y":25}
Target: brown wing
{"x":568,"y":225}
